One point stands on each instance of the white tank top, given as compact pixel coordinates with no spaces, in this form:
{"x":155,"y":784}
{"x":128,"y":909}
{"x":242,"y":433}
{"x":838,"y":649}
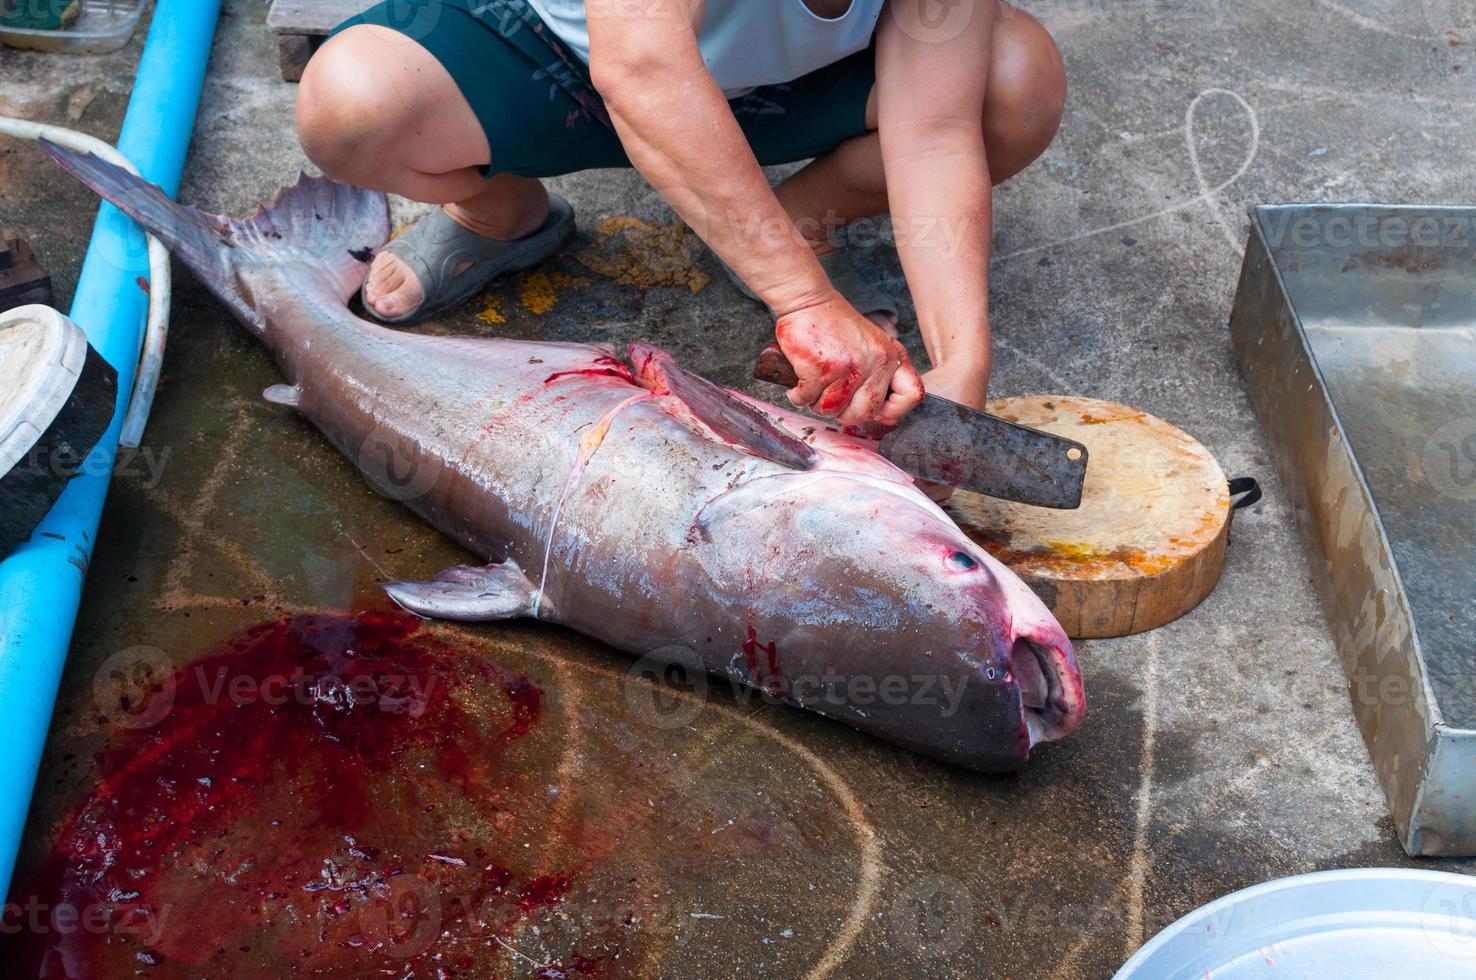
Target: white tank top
{"x":746,"y":43}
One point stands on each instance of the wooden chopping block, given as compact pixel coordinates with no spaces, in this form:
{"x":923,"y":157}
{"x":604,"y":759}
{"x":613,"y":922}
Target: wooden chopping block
{"x":1146,"y":545}
{"x":57,"y":396}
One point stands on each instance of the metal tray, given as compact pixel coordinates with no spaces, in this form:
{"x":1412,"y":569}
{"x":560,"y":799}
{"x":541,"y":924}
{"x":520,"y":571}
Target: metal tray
{"x":1356,"y":331}
{"x":1357,"y":924}
{"x":102,"y":26}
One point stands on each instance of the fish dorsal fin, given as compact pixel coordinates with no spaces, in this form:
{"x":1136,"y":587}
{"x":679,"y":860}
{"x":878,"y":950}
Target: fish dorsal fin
{"x":730,"y":417}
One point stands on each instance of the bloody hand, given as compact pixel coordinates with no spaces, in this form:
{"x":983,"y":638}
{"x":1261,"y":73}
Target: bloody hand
{"x":848,"y":367}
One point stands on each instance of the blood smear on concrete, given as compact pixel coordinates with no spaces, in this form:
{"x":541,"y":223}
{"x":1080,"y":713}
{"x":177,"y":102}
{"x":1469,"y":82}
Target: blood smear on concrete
{"x":325,"y":796}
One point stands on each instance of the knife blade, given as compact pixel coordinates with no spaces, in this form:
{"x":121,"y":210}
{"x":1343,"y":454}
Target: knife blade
{"x":949,"y":443}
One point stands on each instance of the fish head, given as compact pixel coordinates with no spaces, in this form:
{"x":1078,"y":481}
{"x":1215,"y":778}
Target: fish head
{"x":869,"y":578}
{"x":980,"y":612}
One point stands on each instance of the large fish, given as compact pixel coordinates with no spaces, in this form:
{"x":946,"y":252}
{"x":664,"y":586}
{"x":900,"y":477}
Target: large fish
{"x":635,"y":502}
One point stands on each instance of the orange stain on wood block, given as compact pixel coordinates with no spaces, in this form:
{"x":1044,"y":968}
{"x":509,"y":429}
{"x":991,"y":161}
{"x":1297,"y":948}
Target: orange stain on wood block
{"x":1148,"y":542}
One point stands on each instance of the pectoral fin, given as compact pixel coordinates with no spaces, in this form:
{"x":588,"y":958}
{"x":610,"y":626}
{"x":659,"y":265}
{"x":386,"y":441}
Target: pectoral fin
{"x":469,"y":593}
{"x":727,"y":415}
{"x":287,"y":396}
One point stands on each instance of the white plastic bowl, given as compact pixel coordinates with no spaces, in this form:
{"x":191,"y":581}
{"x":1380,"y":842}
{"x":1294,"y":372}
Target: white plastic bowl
{"x":1357,"y":924}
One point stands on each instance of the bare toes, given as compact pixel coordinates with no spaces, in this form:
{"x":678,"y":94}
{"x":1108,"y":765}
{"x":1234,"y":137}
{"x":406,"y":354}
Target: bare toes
{"x":393,"y":279}
{"x":383,"y":263}
{"x":393,"y":289}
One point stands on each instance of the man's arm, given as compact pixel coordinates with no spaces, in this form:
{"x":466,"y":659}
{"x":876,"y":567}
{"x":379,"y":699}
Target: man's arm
{"x":681,"y":136}
{"x":930,"y":108}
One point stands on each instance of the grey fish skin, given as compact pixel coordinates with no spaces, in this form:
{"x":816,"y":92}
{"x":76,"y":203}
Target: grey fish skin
{"x":837,"y":586}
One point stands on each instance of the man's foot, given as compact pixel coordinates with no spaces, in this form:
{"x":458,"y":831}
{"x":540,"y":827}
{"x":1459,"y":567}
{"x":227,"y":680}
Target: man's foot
{"x":447,"y":257}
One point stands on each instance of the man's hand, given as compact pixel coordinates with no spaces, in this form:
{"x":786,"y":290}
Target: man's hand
{"x":848,"y":367}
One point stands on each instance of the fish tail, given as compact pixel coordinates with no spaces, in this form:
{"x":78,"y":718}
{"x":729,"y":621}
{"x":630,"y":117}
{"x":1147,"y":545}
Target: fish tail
{"x":327,"y":230}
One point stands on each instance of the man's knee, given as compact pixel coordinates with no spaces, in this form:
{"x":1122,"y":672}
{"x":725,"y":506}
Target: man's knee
{"x":346,"y":111}
{"x":1026,"y":93}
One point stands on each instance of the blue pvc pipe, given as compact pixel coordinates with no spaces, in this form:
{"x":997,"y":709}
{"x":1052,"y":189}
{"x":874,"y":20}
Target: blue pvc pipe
{"x":41,"y":582}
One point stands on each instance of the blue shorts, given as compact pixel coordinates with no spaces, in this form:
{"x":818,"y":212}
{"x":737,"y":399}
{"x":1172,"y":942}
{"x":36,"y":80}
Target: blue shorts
{"x":543,"y":117}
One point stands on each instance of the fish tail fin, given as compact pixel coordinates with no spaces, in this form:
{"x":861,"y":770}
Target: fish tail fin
{"x":317,"y":226}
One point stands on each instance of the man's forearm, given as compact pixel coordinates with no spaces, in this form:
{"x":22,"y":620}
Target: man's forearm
{"x":678,"y":131}
{"x":681,"y":136}
{"x":930,"y":106}
{"x":941,"y":201}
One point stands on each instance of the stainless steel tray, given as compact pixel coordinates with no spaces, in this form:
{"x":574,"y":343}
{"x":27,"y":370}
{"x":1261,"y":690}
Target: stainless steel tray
{"x":1356,"y":330}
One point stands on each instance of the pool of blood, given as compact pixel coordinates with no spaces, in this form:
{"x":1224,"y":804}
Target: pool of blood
{"x":327,"y":796}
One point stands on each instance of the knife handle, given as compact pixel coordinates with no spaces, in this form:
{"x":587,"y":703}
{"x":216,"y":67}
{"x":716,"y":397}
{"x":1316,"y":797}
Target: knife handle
{"x":773,"y":367}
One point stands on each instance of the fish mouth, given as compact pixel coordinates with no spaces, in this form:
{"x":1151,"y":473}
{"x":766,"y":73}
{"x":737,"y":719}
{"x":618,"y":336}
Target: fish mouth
{"x":1051,"y":702}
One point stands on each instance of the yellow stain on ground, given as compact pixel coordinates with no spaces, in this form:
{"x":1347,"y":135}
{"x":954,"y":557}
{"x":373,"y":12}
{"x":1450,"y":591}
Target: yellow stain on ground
{"x":491,"y":309}
{"x":631,"y":251}
{"x":540,"y":290}
{"x":643,"y":254}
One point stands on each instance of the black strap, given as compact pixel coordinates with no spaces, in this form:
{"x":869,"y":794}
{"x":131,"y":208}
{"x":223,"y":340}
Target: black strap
{"x":1248,"y":486}
{"x":1242,"y":485}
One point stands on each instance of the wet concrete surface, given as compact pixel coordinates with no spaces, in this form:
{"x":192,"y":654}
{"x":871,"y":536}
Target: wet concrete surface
{"x":735,"y":836}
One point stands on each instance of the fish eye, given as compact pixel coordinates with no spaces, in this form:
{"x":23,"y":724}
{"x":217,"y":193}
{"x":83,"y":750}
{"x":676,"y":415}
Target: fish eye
{"x":962,"y":561}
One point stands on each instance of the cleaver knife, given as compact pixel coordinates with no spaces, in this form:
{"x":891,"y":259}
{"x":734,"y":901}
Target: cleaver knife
{"x":949,"y":443}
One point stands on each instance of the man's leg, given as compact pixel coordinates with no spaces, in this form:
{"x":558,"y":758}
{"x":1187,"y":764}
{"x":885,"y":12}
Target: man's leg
{"x":1024,"y":99}
{"x":377,"y":110}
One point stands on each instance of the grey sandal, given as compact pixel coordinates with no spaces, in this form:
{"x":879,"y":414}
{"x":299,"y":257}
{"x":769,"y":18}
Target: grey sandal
{"x":435,"y":245}
{"x":848,"y":280}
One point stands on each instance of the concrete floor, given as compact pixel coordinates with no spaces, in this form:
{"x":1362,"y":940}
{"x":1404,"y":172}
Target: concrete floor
{"x":1220,"y":750}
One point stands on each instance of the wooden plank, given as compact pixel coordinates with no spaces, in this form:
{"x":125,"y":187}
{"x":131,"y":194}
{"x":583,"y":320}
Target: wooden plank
{"x":1146,"y":545}
{"x":23,"y":280}
{"x":293,"y":53}
{"x":314,"y":18}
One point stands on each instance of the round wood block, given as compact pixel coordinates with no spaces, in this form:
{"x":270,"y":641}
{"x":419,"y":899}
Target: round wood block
{"x":1147,"y":543}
